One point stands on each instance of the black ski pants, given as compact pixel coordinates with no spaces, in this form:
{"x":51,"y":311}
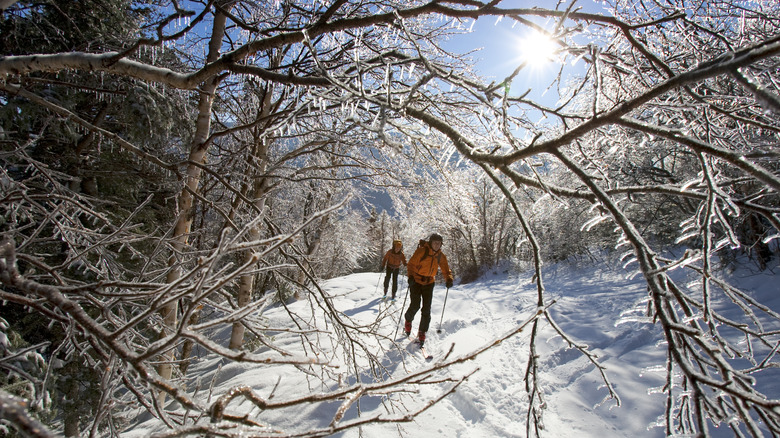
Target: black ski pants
{"x":419,"y":293}
{"x":394,"y":273}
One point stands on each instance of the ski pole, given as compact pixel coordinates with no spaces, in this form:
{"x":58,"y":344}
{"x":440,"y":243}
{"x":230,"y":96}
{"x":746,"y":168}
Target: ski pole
{"x":438,"y":330}
{"x":395,"y":336}
{"x":377,"y":283}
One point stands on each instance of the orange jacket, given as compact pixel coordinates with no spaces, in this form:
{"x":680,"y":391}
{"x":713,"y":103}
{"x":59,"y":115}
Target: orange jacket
{"x":394,"y":259}
{"x":425,"y":263}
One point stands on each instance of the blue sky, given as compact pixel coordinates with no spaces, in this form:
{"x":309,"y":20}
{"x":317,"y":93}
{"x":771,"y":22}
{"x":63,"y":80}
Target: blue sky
{"x":500,"y":50}
{"x":499,"y":54}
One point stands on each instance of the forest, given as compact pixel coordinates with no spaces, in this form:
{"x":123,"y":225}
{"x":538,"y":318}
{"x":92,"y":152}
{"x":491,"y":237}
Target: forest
{"x":171,"y":168}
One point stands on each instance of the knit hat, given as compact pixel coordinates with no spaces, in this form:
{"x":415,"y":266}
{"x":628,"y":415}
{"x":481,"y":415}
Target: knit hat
{"x":435,"y":237}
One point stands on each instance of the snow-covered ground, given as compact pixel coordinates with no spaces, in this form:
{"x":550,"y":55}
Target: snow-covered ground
{"x":592,"y":305}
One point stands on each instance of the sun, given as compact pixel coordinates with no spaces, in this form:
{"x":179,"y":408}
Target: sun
{"x":537,"y":49}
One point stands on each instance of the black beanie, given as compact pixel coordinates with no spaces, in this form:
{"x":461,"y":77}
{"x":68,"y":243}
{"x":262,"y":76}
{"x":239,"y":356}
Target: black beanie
{"x":435,"y":237}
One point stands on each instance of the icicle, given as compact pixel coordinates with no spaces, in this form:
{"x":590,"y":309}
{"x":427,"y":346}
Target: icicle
{"x":652,"y":369}
{"x":622,"y":242}
{"x":657,"y":390}
{"x":687,"y":223}
{"x":770,"y":238}
{"x":685,"y":237}
{"x":692,"y":318}
{"x":587,"y":226}
{"x":688,"y":184}
{"x":688,"y":260}
{"x":629,"y":261}
{"x":726,"y":241}
{"x":632,"y":275}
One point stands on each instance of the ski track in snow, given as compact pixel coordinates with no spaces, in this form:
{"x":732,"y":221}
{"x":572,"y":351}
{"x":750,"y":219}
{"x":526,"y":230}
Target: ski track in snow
{"x":493,"y":401}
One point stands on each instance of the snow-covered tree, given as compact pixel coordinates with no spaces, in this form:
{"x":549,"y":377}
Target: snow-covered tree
{"x":255,"y":124}
{"x":238,"y":123}
{"x":694,"y":97}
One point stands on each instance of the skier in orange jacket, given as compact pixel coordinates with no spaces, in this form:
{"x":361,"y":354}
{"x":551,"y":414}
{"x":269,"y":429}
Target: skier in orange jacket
{"x":422,"y":269}
{"x":392,"y":260}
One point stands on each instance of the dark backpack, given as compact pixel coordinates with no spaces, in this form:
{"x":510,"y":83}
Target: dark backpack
{"x":428,"y":252}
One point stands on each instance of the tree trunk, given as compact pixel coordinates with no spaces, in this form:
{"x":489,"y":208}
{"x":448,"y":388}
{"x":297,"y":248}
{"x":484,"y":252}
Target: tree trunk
{"x":186,"y":349}
{"x":247,"y":281}
{"x":259,"y":190}
{"x":70,"y":416}
{"x":169,"y":312}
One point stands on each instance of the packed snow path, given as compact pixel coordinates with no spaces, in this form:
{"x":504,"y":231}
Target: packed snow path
{"x":590,"y":306}
{"x":493,"y":402}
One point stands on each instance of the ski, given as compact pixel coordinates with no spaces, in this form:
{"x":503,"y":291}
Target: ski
{"x":424,"y":352}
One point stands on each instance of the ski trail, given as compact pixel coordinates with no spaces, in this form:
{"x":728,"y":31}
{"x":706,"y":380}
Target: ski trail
{"x":498,"y":406}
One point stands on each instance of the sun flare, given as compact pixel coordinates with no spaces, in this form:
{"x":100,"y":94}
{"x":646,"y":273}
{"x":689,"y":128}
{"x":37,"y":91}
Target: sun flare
{"x":537,"y":49}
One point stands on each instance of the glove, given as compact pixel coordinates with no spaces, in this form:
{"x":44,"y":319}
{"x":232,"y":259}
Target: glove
{"x":411,"y":280}
{"x":449,"y":283}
